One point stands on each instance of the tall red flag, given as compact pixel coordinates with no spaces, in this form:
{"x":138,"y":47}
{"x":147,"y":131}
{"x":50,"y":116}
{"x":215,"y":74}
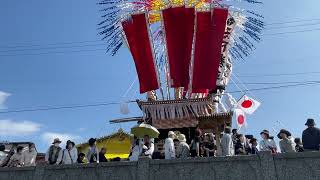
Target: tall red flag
{"x":136,"y":31}
{"x":210,"y":29}
{"x":179,"y":28}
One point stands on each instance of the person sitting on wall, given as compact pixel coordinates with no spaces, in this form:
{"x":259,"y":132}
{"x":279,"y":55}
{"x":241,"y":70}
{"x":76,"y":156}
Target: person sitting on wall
{"x":227,"y":146}
{"x":81,"y":158}
{"x":102,"y":157}
{"x":241,"y":147}
{"x":4,"y":156}
{"x":299,"y":146}
{"x":209,"y":145}
{"x":17,"y":159}
{"x":148,"y":147}
{"x":183,"y":150}
{"x":286,"y":142}
{"x":29,"y":156}
{"x":70,"y":154}
{"x":54,"y":152}
{"x":311,"y":136}
{"x":195,"y":144}
{"x":253,"y":146}
{"x":267,"y":143}
{"x":136,"y":150}
{"x":92,"y":154}
{"x":169,"y":149}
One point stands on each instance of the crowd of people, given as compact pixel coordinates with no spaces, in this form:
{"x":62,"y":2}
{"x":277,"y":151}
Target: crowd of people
{"x":230,"y":143}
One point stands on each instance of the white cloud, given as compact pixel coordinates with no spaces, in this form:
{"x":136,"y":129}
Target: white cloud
{"x":3,"y":98}
{"x":18,"y":128}
{"x":48,"y":137}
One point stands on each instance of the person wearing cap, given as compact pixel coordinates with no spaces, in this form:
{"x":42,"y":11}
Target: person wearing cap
{"x":70,"y":154}
{"x":169,"y":150}
{"x":311,"y":136}
{"x":54,"y":152}
{"x":267,"y":143}
{"x":183,"y":149}
{"x":92,"y":154}
{"x":286,"y":142}
{"x":227,"y":146}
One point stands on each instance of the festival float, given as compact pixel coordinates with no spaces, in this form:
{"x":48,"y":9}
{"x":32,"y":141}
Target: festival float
{"x":183,"y":53}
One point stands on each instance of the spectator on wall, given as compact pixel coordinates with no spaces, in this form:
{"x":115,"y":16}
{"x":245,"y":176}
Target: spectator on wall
{"x":148,"y":147}
{"x":227,"y":145}
{"x":286,"y":142}
{"x":195,"y":144}
{"x":299,"y":146}
{"x":311,"y":136}
{"x":169,"y":149}
{"x":70,"y":154}
{"x":29,"y":156}
{"x":102,"y":153}
{"x":92,"y":154}
{"x":267,"y":143}
{"x":253,"y":146}
{"x":136,"y":150}
{"x":235,"y":136}
{"x":54,"y":152}
{"x":209,"y":146}
{"x":17,"y":159}
{"x":183,"y":150}
{"x":81,"y":158}
{"x":241,"y":147}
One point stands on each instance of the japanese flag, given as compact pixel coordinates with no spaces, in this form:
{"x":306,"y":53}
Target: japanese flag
{"x":248,"y":105}
{"x":240,"y":117}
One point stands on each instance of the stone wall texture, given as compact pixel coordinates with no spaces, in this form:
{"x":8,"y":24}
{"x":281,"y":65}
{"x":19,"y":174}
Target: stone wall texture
{"x":264,"y":166}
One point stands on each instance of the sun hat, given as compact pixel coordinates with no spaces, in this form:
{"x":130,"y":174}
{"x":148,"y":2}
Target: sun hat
{"x":56,"y":140}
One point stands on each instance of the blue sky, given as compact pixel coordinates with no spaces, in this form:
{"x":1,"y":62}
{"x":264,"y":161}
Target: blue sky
{"x":93,"y":76}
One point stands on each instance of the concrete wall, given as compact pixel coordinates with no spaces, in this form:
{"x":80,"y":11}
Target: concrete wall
{"x":295,"y":166}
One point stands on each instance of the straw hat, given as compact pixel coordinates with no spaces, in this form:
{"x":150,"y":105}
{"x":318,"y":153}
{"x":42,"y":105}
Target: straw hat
{"x":182,"y":138}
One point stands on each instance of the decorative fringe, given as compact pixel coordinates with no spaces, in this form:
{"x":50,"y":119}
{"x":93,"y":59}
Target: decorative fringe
{"x":176,"y":111}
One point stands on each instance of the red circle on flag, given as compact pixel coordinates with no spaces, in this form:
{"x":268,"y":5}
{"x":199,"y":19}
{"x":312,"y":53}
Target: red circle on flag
{"x":246,"y":103}
{"x":240,"y":119}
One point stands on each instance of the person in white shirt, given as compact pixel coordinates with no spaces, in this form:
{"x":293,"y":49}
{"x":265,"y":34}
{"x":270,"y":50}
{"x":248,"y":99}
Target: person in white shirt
{"x":16,"y":159}
{"x":135,"y":150}
{"x":29,"y":156}
{"x":286,"y":142}
{"x":148,"y":147}
{"x":93,"y":154}
{"x":169,"y":149}
{"x":267,"y":144}
{"x":227,"y":146}
{"x":70,"y":154}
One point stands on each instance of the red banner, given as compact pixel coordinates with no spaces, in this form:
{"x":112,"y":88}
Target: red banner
{"x":136,"y":31}
{"x":210,"y":29}
{"x":179,"y":28}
